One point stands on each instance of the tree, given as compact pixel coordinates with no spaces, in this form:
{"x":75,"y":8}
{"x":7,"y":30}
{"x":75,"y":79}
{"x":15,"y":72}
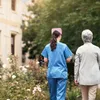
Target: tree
{"x":73,"y":16}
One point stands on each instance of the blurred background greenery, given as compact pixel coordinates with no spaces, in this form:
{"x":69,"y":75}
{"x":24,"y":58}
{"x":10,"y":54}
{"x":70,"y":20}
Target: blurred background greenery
{"x":73,"y":16}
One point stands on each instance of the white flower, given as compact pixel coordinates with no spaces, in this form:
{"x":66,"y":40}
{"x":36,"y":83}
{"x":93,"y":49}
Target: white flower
{"x":37,"y":62}
{"x":16,"y":82}
{"x":28,"y":90}
{"x":29,"y":42}
{"x":27,"y":66}
{"x":46,"y":82}
{"x":33,"y":92}
{"x":32,"y":16}
{"x":35,"y":88}
{"x":26,"y":23}
{"x":8,"y":59}
{"x":13,"y":76}
{"x":8,"y":99}
{"x":21,"y":67}
{"x":4,"y":66}
{"x":4,"y":77}
{"x":24,"y":69}
{"x":38,"y":88}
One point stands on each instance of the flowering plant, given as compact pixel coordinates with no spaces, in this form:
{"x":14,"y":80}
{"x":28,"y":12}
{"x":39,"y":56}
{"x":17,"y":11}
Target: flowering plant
{"x":25,"y":83}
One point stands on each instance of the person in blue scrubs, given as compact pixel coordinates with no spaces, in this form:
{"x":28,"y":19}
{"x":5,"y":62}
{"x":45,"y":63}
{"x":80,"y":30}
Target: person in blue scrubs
{"x":56,"y":54}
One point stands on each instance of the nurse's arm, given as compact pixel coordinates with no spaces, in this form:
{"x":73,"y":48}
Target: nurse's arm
{"x":45,"y":60}
{"x":69,"y":59}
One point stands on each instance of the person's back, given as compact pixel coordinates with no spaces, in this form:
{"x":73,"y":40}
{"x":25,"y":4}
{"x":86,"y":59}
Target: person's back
{"x":87,"y":67}
{"x":89,"y":64}
{"x":57,"y":67}
{"x":56,"y":54}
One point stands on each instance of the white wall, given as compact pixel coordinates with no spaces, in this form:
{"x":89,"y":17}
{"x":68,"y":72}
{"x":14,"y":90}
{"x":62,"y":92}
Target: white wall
{"x":10,"y":23}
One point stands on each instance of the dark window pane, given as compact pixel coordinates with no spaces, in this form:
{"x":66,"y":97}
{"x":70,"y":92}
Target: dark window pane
{"x":13,"y":44}
{"x":13,"y":4}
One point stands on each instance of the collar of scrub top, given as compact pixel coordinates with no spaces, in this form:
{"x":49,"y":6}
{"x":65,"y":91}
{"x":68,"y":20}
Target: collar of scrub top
{"x":56,"y":29}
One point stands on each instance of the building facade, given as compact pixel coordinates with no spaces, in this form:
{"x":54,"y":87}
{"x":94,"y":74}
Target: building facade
{"x":11,"y":29}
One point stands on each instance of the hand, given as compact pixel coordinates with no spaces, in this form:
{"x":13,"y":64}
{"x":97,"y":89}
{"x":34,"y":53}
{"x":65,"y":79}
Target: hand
{"x":69,"y":59}
{"x":76,"y":82}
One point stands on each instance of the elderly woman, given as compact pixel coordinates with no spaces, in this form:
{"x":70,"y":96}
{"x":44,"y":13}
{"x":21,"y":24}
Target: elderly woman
{"x":87,"y":67}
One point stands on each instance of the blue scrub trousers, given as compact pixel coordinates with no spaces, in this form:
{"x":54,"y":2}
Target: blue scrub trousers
{"x":57,"y":88}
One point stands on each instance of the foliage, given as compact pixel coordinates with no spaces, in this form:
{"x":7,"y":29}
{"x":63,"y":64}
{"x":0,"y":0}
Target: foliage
{"x":23,"y":85}
{"x":1,"y":63}
{"x":98,"y":95}
{"x":12,"y":59}
{"x":29,"y":83}
{"x":72,"y":16}
{"x":74,"y":93}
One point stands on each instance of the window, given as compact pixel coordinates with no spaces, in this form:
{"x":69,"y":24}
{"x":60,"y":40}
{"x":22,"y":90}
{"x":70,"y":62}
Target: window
{"x":33,"y":1}
{"x":13,"y":5}
{"x":13,"y":44}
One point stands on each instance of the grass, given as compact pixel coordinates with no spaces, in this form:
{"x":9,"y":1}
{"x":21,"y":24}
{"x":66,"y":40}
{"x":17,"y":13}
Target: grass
{"x":98,"y":95}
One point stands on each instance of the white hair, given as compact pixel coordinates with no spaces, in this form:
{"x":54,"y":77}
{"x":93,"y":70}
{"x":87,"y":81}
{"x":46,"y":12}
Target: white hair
{"x":87,"y":36}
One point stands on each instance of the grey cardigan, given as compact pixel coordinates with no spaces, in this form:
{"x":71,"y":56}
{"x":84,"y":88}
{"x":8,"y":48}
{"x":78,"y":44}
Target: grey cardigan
{"x":87,"y":64}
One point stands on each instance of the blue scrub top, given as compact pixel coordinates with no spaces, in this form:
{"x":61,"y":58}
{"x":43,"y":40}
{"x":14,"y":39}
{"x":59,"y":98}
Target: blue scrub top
{"x":57,"y":67}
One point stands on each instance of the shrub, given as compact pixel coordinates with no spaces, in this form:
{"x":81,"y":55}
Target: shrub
{"x":74,"y":93}
{"x":98,"y":95}
{"x":28,"y":83}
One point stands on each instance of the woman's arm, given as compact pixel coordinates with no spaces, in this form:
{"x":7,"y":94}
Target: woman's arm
{"x":45,"y":60}
{"x":69,"y":59}
{"x":98,"y":57}
{"x":76,"y":68}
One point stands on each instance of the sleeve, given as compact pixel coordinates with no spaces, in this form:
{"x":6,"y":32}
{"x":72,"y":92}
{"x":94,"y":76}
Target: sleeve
{"x":98,"y":57}
{"x":76,"y":65}
{"x":67,"y":52}
{"x":44,"y":53}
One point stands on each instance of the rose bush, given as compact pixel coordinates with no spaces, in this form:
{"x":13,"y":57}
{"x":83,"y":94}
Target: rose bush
{"x":29,"y":83}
